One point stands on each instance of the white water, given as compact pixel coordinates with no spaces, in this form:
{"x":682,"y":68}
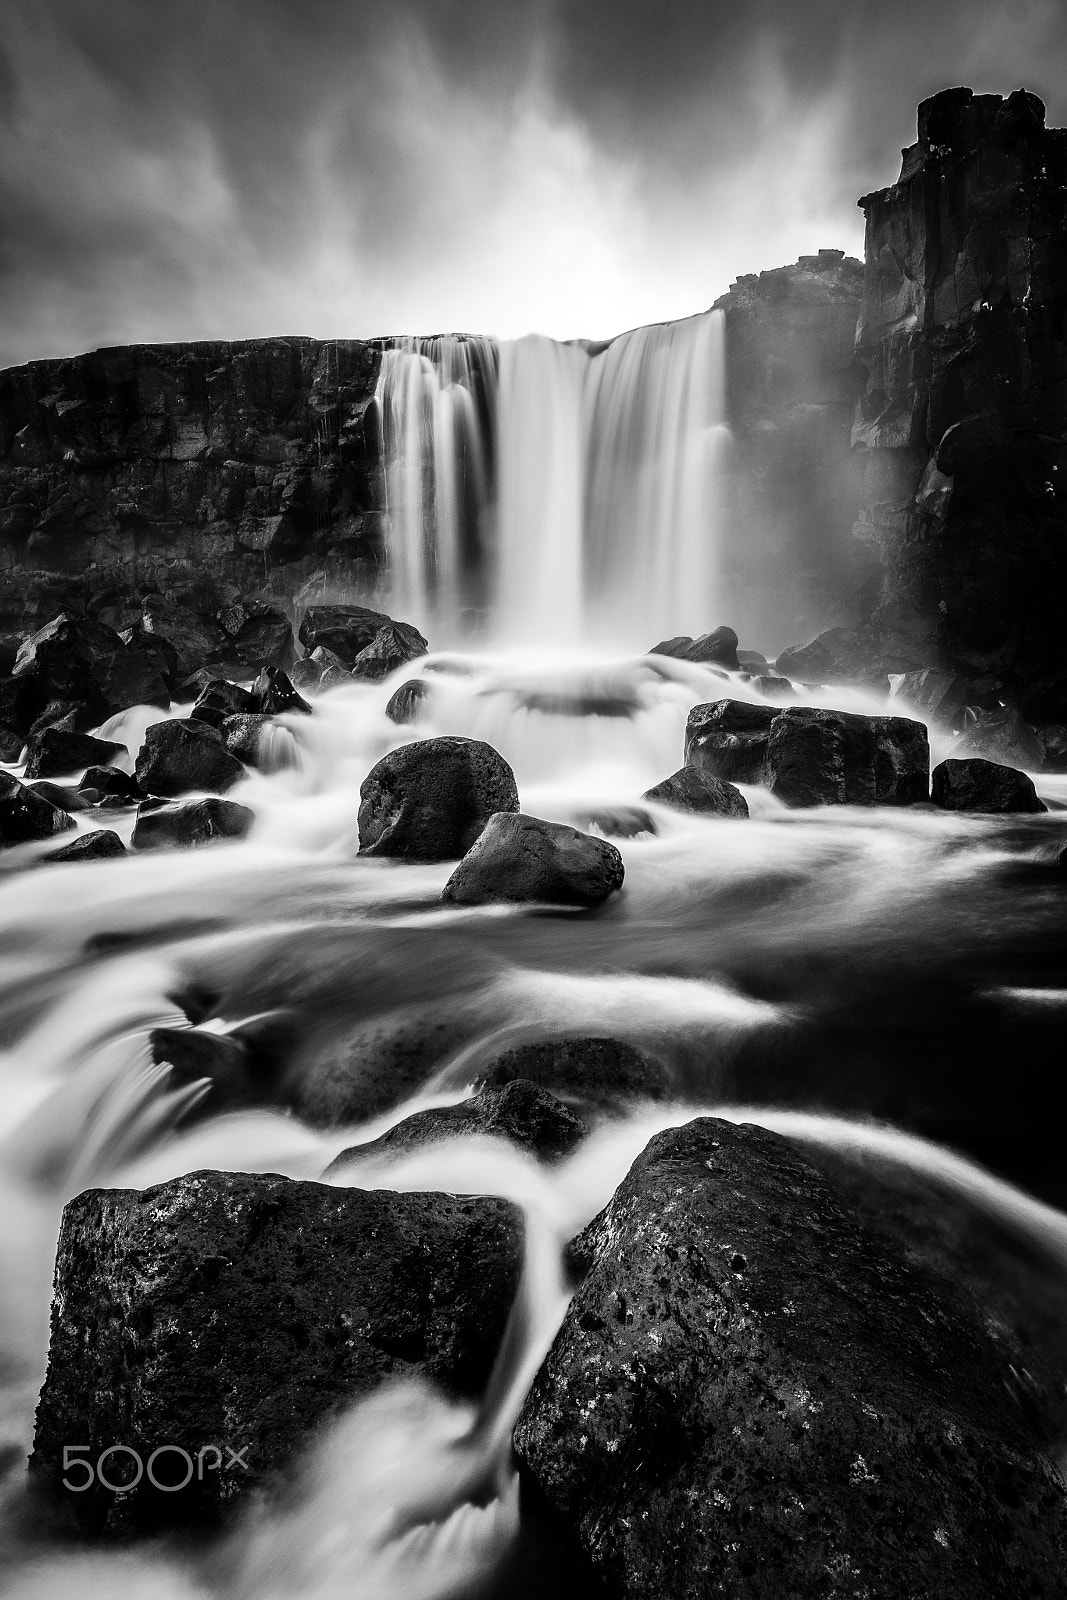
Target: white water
{"x":601,"y":522}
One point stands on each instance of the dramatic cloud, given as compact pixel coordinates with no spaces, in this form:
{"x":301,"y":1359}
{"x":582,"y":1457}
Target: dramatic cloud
{"x":227,"y":168}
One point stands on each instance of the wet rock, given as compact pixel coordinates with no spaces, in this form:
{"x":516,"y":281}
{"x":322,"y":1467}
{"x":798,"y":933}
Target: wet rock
{"x":754,"y":1394}
{"x":429,"y":801}
{"x":374,"y":1067}
{"x":198,"y":822}
{"x":238,"y":1311}
{"x":406,"y":703}
{"x":343,"y":630}
{"x":392,"y":647}
{"x":216,"y":1062}
{"x":599,"y":1074}
{"x":523,"y":859}
{"x":242,"y":736}
{"x":220,"y":699}
{"x":693,"y":789}
{"x":977,"y":785}
{"x":1001,"y":735}
{"x":259,"y":635}
{"x":182,"y":755}
{"x":618,"y":822}
{"x":25,"y":816}
{"x":68,"y":657}
{"x":195,"y":639}
{"x":936,"y":694}
{"x":112,"y":781}
{"x":99,"y":845}
{"x":70,"y":716}
{"x":155,"y":649}
{"x":718,"y":648}
{"x":521,"y":1112}
{"x":68,"y":800}
{"x":728,"y":738}
{"x":305,"y":673}
{"x":134,"y":679}
{"x":273,"y":694}
{"x":52,"y":752}
{"x":817,"y":757}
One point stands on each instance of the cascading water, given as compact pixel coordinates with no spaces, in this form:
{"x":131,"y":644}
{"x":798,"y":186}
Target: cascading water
{"x":609,"y":475}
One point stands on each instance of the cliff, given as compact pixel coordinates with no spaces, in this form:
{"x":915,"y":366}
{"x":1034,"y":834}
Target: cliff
{"x":206,"y":471}
{"x":962,"y":426}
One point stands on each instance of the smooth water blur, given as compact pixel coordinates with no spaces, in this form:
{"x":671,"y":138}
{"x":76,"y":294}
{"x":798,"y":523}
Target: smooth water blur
{"x":873,"y":980}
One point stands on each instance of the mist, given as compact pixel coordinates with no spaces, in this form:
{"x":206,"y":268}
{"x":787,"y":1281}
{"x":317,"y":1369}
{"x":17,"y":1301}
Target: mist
{"x":239,"y":169}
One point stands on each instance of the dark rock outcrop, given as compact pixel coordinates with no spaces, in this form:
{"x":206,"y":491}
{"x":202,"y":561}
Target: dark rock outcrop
{"x":597,"y":1074}
{"x":961,"y":426}
{"x":755,"y":1394}
{"x":694,"y":789}
{"x":219,"y":699}
{"x":978,"y":785}
{"x":185,"y":754}
{"x":520,"y":1111}
{"x":809,"y":756}
{"x":69,"y":800}
{"x":718,"y":648}
{"x":239,"y":1312}
{"x":26,"y":816}
{"x":522,"y":859}
{"x":52,"y":753}
{"x":274,"y":694}
{"x":198,"y":822}
{"x":99,"y":845}
{"x":429,"y":801}
{"x":112,"y":782}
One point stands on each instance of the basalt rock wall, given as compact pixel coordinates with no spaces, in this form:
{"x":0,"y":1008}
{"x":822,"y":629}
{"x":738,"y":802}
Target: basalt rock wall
{"x":962,"y":426}
{"x":204,"y":471}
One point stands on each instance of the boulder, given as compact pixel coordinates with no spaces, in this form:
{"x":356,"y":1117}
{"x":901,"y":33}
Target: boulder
{"x":728,"y":738}
{"x":99,"y":845}
{"x":753,"y":1393}
{"x":718,"y":648}
{"x":593,"y":1073}
{"x":228,"y":1315}
{"x":273,"y":694}
{"x":52,"y":752}
{"x":114,"y":783}
{"x":429,"y":801}
{"x":818,"y":757}
{"x":68,"y":657}
{"x":933,"y":693}
{"x":185,"y":754}
{"x":242,"y":736}
{"x":1003,"y":736}
{"x":217,"y":1062}
{"x":163,"y":827}
{"x":375,"y":1066}
{"x":219,"y":699}
{"x":694,"y":789}
{"x":392,"y":647}
{"x":26,"y":816}
{"x":347,"y":631}
{"x":406,"y":703}
{"x":618,"y":822}
{"x":194,"y":639}
{"x":978,"y":785}
{"x":259,"y":635}
{"x":69,"y":800}
{"x":521,"y":1112}
{"x":305,"y":673}
{"x":522,"y":859}
{"x":155,"y":649}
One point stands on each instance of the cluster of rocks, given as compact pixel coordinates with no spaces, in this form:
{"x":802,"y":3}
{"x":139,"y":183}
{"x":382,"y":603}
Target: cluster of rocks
{"x":74,"y":674}
{"x":765,"y":1380}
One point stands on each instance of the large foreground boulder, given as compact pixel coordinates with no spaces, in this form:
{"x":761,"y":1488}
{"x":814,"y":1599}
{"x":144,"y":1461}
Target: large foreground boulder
{"x":198,"y":822}
{"x":26,"y":816}
{"x":524,"y":860}
{"x":810,"y":756}
{"x":227,"y":1315}
{"x":979,"y":785}
{"x":755,"y":1395}
{"x":596,"y":1074}
{"x":520,"y":1112}
{"x":429,"y":801}
{"x":183,"y":755}
{"x":695,"y":790}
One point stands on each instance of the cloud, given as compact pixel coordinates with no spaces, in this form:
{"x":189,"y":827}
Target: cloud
{"x":230,"y":168}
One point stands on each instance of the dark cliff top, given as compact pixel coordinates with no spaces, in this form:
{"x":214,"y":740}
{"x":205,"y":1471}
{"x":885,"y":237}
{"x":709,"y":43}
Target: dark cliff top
{"x":958,"y":122}
{"x":813,"y":280}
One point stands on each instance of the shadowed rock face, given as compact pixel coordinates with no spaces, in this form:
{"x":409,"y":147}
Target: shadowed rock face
{"x":962,"y":422}
{"x":241,"y":1311}
{"x":754,"y":1392}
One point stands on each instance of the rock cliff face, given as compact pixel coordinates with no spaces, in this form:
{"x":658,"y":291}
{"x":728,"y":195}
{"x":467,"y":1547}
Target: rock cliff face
{"x":962,"y":427}
{"x":203,"y":471}
{"x":792,"y":383}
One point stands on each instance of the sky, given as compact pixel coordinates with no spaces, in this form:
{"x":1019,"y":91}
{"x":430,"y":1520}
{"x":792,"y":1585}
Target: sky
{"x":184,"y":169}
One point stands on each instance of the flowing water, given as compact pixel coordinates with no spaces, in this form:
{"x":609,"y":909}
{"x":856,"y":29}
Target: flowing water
{"x":885,"y":983}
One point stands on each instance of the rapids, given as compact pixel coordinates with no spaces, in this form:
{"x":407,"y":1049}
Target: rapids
{"x":886,"y":982}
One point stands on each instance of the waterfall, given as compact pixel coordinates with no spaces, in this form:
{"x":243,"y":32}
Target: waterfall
{"x":436,"y":444}
{"x":601,"y":471}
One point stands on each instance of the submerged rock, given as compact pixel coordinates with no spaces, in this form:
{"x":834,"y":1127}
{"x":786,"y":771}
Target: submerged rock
{"x":199,"y":822}
{"x":376,"y":1066}
{"x":978,"y":785}
{"x":226,"y":1313}
{"x":521,"y":1112}
{"x":429,"y":801}
{"x":596,"y":1073}
{"x":525,"y":860}
{"x":217,"y":1062}
{"x":99,"y":845}
{"x":693,"y":789}
{"x":26,"y":816}
{"x":406,"y":703}
{"x":182,"y":755}
{"x":754,"y":1394}
{"x":53,"y":752}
